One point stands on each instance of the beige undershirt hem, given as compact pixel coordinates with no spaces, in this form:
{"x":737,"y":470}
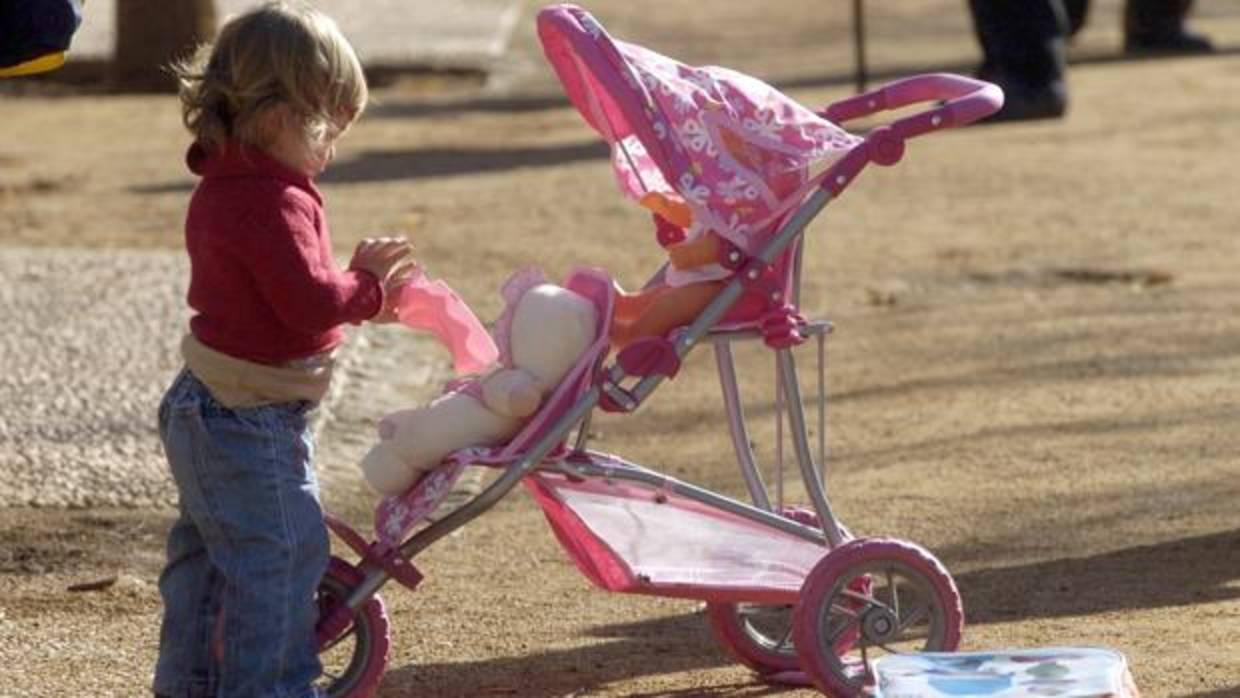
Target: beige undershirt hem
{"x":236,"y":383}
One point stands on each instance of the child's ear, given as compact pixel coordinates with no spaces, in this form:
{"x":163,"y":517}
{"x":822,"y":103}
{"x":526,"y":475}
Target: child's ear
{"x":272,"y":121}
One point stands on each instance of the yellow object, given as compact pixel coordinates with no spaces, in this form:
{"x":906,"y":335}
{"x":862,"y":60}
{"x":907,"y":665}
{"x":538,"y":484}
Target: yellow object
{"x":42,"y":64}
{"x":673,"y":208}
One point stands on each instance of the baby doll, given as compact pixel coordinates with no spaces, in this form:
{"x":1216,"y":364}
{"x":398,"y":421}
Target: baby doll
{"x":541,"y":335}
{"x":694,"y":275}
{"x":692,"y":278}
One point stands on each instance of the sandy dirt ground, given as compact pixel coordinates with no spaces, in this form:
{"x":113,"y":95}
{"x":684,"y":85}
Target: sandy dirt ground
{"x":1035,"y":372}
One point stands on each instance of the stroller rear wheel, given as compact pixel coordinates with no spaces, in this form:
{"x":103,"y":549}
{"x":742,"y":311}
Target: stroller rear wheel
{"x":760,"y":635}
{"x":355,"y":656}
{"x":906,"y":602}
{"x":756,"y":635}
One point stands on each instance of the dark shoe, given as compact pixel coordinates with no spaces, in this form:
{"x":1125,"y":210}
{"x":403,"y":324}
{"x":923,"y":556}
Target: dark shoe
{"x":1027,"y":103}
{"x":1178,"y":42}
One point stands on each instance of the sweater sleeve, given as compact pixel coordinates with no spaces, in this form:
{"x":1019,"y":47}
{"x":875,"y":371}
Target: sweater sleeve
{"x":292,"y":266}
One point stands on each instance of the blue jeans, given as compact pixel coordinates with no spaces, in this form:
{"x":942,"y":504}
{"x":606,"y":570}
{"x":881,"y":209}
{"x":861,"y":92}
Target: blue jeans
{"x":246,"y":553}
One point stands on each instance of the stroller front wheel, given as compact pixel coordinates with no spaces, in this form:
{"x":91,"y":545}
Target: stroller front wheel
{"x":892,"y":596}
{"x":355,"y":655}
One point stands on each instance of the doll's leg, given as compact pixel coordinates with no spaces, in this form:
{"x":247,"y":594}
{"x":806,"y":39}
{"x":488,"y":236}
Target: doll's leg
{"x":654,"y":311}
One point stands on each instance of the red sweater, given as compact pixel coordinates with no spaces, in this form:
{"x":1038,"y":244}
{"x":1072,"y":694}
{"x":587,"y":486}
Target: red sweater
{"x":263,"y":282}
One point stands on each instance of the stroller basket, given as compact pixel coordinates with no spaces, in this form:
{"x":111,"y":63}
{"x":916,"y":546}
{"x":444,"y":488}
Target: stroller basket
{"x":641,"y":538}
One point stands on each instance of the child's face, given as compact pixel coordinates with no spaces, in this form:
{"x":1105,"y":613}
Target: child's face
{"x":290,"y":146}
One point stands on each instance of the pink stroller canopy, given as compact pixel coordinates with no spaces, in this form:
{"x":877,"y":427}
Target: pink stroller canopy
{"x":739,"y":152}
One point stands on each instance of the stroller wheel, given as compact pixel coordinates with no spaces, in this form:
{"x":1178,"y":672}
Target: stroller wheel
{"x":890,"y":595}
{"x":760,"y":635}
{"x":756,"y":635}
{"x":355,"y":655}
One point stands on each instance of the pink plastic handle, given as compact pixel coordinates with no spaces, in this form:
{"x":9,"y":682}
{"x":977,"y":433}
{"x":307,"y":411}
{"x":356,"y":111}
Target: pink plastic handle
{"x":433,"y":306}
{"x":966,"y":100}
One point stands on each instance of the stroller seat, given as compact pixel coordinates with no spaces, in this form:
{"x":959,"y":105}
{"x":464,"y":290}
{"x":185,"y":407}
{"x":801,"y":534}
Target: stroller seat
{"x":737,"y":152}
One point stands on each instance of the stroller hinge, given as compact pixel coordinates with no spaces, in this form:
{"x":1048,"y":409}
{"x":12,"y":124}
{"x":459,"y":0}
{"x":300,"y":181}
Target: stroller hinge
{"x":616,"y":399}
{"x":397,"y":566}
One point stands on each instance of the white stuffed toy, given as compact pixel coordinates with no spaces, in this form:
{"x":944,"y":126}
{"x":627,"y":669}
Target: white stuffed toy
{"x":541,"y":335}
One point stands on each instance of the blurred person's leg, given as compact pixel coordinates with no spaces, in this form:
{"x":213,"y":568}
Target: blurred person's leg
{"x":1023,"y":52}
{"x":1157,"y":26}
{"x":1077,"y":12}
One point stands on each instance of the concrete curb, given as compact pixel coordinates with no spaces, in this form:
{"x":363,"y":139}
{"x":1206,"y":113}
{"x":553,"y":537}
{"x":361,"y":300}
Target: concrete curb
{"x":458,"y":34}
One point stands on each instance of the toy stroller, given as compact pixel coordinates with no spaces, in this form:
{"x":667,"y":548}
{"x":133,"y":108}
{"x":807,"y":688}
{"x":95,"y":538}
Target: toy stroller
{"x":789,"y":592}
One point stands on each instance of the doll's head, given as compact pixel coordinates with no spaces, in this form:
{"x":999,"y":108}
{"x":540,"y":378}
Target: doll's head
{"x":550,"y":328}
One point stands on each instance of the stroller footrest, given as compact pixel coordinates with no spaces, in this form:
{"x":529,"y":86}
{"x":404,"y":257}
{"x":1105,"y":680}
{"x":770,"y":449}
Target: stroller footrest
{"x":650,"y":356}
{"x":345,"y":532}
{"x":397,"y":567}
{"x":781,"y":328}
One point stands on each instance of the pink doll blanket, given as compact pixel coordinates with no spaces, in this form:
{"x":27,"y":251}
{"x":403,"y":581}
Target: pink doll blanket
{"x":433,"y":306}
{"x":738,"y":151}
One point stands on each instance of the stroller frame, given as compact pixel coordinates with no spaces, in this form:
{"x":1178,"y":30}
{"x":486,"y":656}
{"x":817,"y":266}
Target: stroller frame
{"x":611,"y":385}
{"x":837,"y":609}
{"x":632,"y":398}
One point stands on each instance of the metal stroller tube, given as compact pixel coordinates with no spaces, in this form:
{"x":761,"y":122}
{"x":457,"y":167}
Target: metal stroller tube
{"x":736,"y":425}
{"x":377,"y":577}
{"x":805,"y":459}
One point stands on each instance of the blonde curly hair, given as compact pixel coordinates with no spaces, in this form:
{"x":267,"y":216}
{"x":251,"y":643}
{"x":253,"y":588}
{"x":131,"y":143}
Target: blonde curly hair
{"x":278,"y":53}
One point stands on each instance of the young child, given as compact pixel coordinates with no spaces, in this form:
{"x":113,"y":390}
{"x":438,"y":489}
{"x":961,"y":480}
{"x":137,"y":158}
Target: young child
{"x":265,"y":105}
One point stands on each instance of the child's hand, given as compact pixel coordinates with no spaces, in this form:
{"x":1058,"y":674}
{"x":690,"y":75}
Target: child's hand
{"x":391,"y":261}
{"x":383,"y":257}
{"x":391,"y":293}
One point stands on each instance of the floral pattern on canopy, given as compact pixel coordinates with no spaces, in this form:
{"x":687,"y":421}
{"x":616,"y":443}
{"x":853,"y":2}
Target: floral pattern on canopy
{"x":738,"y":151}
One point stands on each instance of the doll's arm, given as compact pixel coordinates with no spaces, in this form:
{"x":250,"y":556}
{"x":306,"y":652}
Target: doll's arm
{"x":511,"y":392}
{"x":699,"y":252}
{"x":673,"y":212}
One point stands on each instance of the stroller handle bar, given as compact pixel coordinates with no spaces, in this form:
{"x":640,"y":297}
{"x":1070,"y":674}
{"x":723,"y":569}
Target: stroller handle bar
{"x":961,"y":101}
{"x":964,"y":100}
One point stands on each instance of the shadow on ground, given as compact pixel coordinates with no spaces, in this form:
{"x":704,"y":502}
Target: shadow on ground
{"x":419,"y":163}
{"x":1184,"y":572}
{"x":662,"y":646}
{"x":395,"y":109}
